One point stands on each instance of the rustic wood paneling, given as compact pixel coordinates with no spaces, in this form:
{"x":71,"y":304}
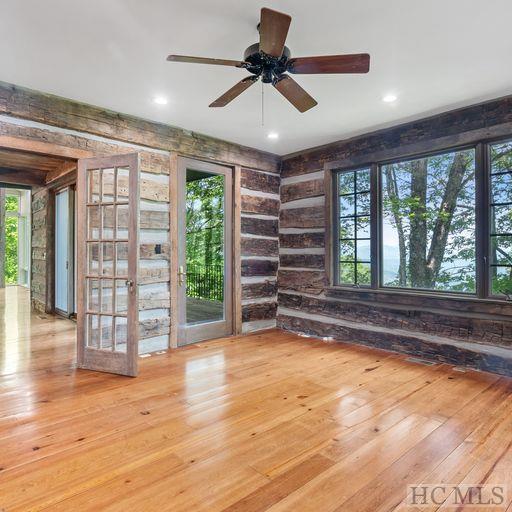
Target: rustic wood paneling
{"x":259,"y":290}
{"x":263,"y":227}
{"x":301,"y":240}
{"x":260,"y":181}
{"x":455,"y":326}
{"x":302,"y":260}
{"x":85,"y":119}
{"x":19,"y":177}
{"x":458,"y":319}
{"x":40,"y":249}
{"x":256,"y":314}
{"x":302,"y":190}
{"x":56,"y":111}
{"x":308,"y":281}
{"x":155,"y":251}
{"x":259,"y":311}
{"x":259,"y":268}
{"x":259,"y":247}
{"x":260,"y":205}
{"x":489,"y":119}
{"x":310,"y":217}
{"x":397,"y":340}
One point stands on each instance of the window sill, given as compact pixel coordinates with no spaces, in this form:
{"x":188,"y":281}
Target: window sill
{"x":422,"y":300}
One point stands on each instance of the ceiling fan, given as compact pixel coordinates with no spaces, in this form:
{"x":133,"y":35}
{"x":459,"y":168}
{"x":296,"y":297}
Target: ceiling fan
{"x":271,"y":60}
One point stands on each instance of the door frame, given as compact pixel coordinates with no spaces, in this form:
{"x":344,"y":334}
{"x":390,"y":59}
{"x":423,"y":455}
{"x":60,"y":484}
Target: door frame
{"x":29,"y":145}
{"x":176,"y":160}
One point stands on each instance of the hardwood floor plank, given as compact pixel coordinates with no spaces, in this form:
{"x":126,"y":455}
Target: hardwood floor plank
{"x":269,"y":421}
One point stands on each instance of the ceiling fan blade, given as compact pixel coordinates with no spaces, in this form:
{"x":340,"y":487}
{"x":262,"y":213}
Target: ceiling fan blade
{"x":295,"y":94}
{"x":235,"y":91}
{"x":274,"y":27}
{"x":206,"y":60}
{"x":355,"y":63}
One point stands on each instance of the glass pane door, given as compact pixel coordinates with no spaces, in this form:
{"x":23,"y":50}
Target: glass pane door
{"x":108,"y":257}
{"x":204,"y":274}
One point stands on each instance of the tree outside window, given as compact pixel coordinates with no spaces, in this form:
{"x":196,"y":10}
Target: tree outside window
{"x":428,"y":223}
{"x":501,"y":219}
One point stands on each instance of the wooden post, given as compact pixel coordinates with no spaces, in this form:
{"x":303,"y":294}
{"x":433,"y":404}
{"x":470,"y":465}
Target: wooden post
{"x":2,"y":237}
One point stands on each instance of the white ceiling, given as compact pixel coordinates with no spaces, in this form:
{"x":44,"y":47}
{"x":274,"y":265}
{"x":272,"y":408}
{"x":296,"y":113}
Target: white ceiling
{"x":434,"y":55}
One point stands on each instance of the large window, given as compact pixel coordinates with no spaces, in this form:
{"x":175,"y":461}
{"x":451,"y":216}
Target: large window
{"x":435,"y":223}
{"x":501,"y":219}
{"x":428,"y":223}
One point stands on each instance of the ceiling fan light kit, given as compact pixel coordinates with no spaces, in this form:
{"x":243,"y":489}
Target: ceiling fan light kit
{"x":271,"y":61}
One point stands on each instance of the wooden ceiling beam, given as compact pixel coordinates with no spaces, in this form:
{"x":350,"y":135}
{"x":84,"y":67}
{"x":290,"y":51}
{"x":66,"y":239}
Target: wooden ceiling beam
{"x":43,"y":148}
{"x":65,"y":169}
{"x":22,"y":177}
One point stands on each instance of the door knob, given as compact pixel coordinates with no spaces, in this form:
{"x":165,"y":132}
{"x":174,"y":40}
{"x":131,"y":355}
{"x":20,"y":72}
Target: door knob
{"x":130,"y":284}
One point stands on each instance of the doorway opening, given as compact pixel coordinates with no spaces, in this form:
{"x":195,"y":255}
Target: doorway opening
{"x":14,"y":236}
{"x":204,"y":251}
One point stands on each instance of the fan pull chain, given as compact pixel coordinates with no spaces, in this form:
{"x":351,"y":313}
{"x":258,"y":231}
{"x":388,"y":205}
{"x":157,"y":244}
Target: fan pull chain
{"x":262,"y":104}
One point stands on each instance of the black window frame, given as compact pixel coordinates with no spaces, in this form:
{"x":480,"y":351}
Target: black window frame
{"x":491,"y":204}
{"x":336,"y":223}
{"x":483,"y":276}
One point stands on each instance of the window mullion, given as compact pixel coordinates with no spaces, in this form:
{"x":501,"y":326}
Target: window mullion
{"x":482,"y":220}
{"x":375,"y":225}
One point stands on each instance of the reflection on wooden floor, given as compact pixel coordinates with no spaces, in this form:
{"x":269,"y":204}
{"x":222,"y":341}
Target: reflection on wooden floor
{"x":201,"y":310}
{"x":32,"y":341}
{"x":266,"y":422}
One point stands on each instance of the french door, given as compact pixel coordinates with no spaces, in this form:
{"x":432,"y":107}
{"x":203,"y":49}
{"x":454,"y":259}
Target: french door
{"x":108,"y":251}
{"x":204,"y":251}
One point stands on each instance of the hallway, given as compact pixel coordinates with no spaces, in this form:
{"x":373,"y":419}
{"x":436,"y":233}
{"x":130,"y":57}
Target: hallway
{"x":31,"y":341}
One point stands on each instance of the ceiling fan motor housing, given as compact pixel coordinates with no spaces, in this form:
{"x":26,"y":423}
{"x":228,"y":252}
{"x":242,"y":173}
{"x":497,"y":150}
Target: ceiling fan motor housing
{"x":268,"y":67}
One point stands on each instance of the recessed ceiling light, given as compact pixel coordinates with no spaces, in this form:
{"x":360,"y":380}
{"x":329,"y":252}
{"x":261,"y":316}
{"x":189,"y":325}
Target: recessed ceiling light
{"x":389,"y":98}
{"x":160,"y":100}
{"x":273,"y":135}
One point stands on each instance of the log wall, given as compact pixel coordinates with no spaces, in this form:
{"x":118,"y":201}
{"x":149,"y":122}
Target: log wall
{"x":41,"y":240}
{"x":38,"y":117}
{"x":259,"y":243}
{"x":308,"y":304}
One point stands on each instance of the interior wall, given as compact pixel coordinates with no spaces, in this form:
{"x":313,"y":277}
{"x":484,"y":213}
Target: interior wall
{"x":445,"y":328}
{"x":38,"y":117}
{"x":259,"y":248}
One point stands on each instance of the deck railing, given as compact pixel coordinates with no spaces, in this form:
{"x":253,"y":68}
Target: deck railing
{"x":205,"y":282}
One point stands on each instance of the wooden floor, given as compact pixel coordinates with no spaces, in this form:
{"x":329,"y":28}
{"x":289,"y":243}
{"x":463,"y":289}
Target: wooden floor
{"x":268,"y":422}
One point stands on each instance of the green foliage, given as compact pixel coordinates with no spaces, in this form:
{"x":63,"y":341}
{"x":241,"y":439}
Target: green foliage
{"x":501,"y":218}
{"x":11,"y":241}
{"x":429,"y":204}
{"x":429,"y":207}
{"x":205,"y":238}
{"x":354,"y":227}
